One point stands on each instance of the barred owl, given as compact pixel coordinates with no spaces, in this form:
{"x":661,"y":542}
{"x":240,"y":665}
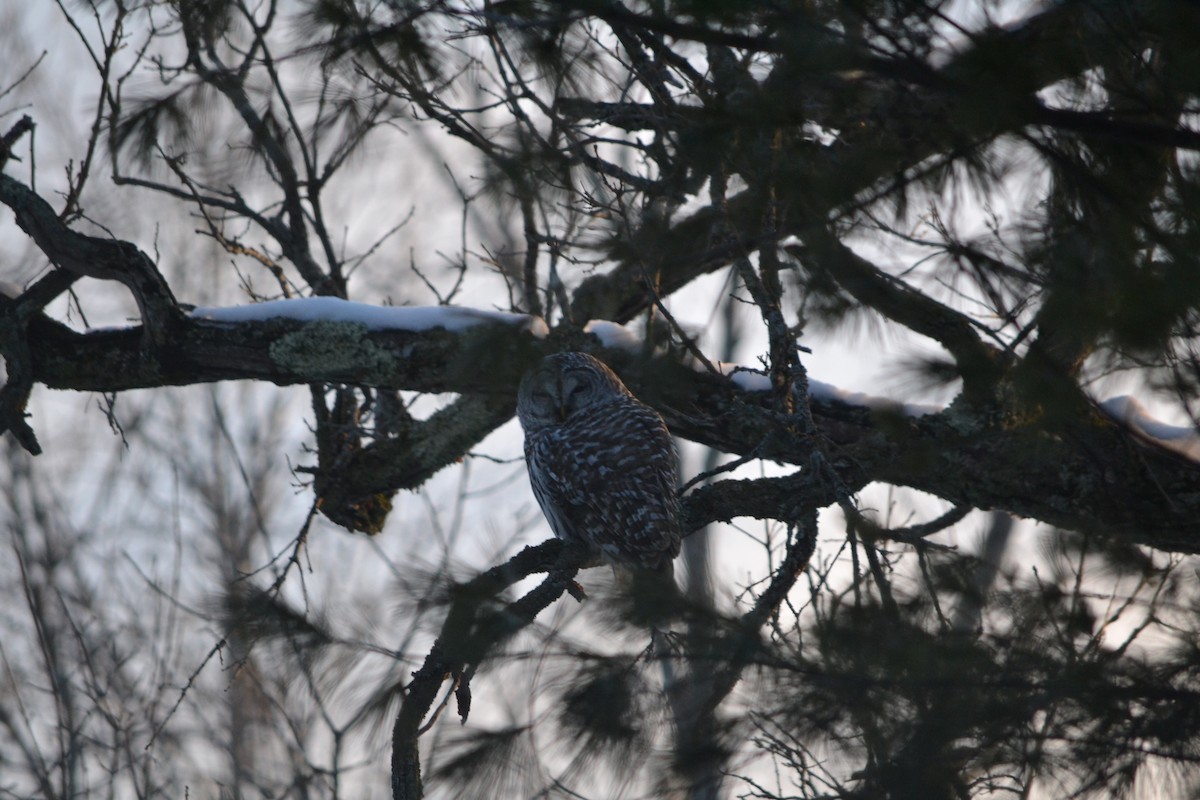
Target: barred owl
{"x":602,"y":464}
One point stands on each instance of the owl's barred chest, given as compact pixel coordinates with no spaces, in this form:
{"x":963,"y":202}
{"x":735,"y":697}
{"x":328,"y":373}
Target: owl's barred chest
{"x":619,"y":464}
{"x":619,"y":437}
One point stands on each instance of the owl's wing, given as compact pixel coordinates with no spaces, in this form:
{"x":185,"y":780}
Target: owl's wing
{"x":608,"y":479}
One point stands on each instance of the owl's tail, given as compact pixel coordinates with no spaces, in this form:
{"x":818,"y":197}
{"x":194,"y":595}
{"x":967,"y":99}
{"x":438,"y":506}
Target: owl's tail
{"x":649,"y":596}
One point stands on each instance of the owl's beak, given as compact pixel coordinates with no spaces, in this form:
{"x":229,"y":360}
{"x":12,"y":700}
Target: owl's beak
{"x":562,"y":412}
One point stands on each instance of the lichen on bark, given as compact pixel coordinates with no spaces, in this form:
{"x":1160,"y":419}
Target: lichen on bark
{"x":331,"y":350}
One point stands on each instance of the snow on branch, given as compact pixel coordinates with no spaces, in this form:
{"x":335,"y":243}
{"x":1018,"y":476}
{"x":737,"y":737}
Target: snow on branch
{"x":827,"y":392}
{"x":614,"y":335}
{"x":1130,"y":412}
{"x":755,"y":380}
{"x":407,"y":318}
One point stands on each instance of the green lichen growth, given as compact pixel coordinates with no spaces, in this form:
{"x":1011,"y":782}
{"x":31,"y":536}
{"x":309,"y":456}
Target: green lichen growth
{"x":331,"y":350}
{"x":963,"y":418}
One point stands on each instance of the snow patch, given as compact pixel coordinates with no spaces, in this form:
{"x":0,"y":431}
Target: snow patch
{"x":744,"y":378}
{"x":818,"y":390}
{"x":406,"y":318}
{"x":614,"y":335}
{"x":1130,"y":412}
{"x":752,"y":380}
{"x":1125,"y":409}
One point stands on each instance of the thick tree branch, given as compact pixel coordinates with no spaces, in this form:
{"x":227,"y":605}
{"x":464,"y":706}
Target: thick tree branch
{"x":1105,"y":125}
{"x":15,"y":314}
{"x":761,"y":498}
{"x":1094,"y":476}
{"x":354,"y":489}
{"x":284,"y":352}
{"x":483,"y":363}
{"x":93,"y":257}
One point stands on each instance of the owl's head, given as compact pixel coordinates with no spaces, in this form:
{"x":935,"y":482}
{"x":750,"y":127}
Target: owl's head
{"x":562,"y":385}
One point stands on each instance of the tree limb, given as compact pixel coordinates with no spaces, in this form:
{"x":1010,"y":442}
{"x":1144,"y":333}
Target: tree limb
{"x":978,"y":363}
{"x":94,"y":257}
{"x":466,"y":638}
{"x":1095,"y":476}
